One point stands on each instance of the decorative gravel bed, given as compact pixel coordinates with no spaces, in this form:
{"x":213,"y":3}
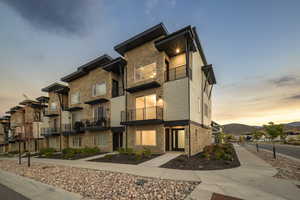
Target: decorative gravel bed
{"x":125,"y":159}
{"x":96,"y":184}
{"x":287,"y":168}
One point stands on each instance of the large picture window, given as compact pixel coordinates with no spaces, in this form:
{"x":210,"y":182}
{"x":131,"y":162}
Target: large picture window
{"x":99,"y":89}
{"x":145,"y":72}
{"x":145,"y":137}
{"x":100,"y":140}
{"x":75,"y":98}
{"x":53,"y":106}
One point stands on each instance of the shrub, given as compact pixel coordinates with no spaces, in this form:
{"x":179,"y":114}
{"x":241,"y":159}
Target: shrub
{"x":122,"y":151}
{"x":13,"y":152}
{"x":138,"y":155}
{"x":129,"y":151}
{"x":47,"y":151}
{"x":227,"y":157}
{"x":68,"y":151}
{"x":89,"y":151}
{"x":147,"y":152}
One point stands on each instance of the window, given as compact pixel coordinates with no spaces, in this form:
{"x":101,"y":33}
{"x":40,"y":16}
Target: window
{"x":77,"y":141}
{"x":206,"y":110}
{"x":99,"y":112}
{"x":53,"y":106}
{"x":75,"y":98}
{"x":145,"y":107}
{"x":99,"y":89}
{"x":145,"y":72}
{"x":100,"y":139}
{"x":145,"y":137}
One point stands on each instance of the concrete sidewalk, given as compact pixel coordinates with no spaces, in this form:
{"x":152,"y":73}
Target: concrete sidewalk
{"x":160,"y":160}
{"x":35,"y":190}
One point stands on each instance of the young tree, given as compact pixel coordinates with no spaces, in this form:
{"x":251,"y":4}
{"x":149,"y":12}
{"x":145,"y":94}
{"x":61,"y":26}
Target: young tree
{"x":283,"y":136}
{"x":256,"y":135}
{"x":274,"y":130}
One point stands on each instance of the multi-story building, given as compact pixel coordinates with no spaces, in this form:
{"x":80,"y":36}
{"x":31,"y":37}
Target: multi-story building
{"x":168,"y":91}
{"x":4,"y":133}
{"x":56,"y":116}
{"x":96,"y":98}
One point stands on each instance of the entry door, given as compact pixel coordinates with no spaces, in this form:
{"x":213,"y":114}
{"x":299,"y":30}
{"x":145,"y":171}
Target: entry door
{"x":178,"y":139}
{"x":117,"y":140}
{"x":167,"y":140}
{"x":115,"y":88}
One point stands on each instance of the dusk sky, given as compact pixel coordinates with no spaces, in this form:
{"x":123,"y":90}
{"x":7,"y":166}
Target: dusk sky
{"x":254,"y":46}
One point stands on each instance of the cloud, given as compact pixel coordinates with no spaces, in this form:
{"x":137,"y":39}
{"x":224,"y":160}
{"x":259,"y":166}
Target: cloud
{"x":294,"y":97}
{"x":285,"y":80}
{"x":60,"y":16}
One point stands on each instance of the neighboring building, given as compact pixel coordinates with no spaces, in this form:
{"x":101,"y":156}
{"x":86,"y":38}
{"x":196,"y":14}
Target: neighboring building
{"x":96,"y":99}
{"x":217,"y":129}
{"x":168,"y":91}
{"x":57,"y":117}
{"x":4,"y":132}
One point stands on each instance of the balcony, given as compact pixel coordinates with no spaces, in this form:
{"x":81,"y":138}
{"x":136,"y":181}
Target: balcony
{"x":142,"y":116}
{"x":50,"y":132}
{"x":51,"y":113}
{"x":177,"y":73}
{"x":69,"y":129}
{"x":97,"y":125}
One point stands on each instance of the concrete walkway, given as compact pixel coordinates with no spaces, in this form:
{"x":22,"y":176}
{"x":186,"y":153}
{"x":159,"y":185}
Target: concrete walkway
{"x":97,"y":156}
{"x":160,"y":160}
{"x":35,"y":190}
{"x":252,"y":180}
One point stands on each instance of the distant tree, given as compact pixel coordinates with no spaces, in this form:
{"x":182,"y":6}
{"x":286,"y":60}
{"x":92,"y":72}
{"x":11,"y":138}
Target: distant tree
{"x":256,"y":135}
{"x":273,"y":131}
{"x":228,"y":137}
{"x":283,"y":136}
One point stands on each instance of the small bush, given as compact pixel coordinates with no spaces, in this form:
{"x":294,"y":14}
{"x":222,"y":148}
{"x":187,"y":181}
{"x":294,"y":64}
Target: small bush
{"x":13,"y":152}
{"x":89,"y":151}
{"x":147,"y":152}
{"x":138,"y":155}
{"x":47,"y":151}
{"x":129,"y":151}
{"x":122,"y":151}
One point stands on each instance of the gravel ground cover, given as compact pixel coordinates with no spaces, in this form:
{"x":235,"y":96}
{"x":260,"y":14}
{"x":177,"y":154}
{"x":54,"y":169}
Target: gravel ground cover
{"x":96,"y":184}
{"x":287,"y":168}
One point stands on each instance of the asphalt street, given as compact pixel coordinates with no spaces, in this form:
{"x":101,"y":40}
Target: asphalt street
{"x":289,"y":150}
{"x":9,"y":194}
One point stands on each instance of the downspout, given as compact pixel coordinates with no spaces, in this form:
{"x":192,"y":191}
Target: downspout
{"x":187,"y":55}
{"x":126,"y":128}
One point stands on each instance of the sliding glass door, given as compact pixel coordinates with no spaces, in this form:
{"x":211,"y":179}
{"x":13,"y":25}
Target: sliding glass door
{"x":145,"y":107}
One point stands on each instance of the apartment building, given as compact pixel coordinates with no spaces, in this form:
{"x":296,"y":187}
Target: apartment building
{"x":168,"y":91}
{"x":96,"y":99}
{"x":56,"y":122}
{"x":4,"y":133}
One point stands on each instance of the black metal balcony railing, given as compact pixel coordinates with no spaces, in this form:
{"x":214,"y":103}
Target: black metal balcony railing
{"x":49,"y":131}
{"x":97,"y":124}
{"x":77,"y":127}
{"x":148,"y":113}
{"x":177,"y":73}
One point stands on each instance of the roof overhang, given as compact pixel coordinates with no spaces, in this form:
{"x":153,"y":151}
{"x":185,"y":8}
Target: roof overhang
{"x":84,"y":69}
{"x":176,"y":43}
{"x":209,"y":73}
{"x":139,"y":39}
{"x":116,"y":66}
{"x":56,"y":88}
{"x":43,"y":99}
{"x":75,"y":108}
{"x":96,"y":101}
{"x":150,"y":85}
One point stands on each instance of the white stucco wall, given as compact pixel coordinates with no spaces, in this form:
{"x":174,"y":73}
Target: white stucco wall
{"x":176,"y":100}
{"x":117,"y":105}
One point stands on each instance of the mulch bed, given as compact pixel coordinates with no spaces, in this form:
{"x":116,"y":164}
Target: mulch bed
{"x":76,"y":156}
{"x":198,"y":162}
{"x":217,"y":196}
{"x":125,"y":159}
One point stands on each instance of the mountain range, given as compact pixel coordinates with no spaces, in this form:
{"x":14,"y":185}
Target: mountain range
{"x":240,"y":129}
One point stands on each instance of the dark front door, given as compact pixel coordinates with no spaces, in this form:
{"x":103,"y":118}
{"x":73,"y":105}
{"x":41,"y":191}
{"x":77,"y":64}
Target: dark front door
{"x":117,"y":141}
{"x":178,"y":139}
{"x":167,"y":141}
{"x":167,"y":70}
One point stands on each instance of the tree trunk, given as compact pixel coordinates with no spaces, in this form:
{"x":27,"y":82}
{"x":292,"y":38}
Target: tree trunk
{"x":274,"y":151}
